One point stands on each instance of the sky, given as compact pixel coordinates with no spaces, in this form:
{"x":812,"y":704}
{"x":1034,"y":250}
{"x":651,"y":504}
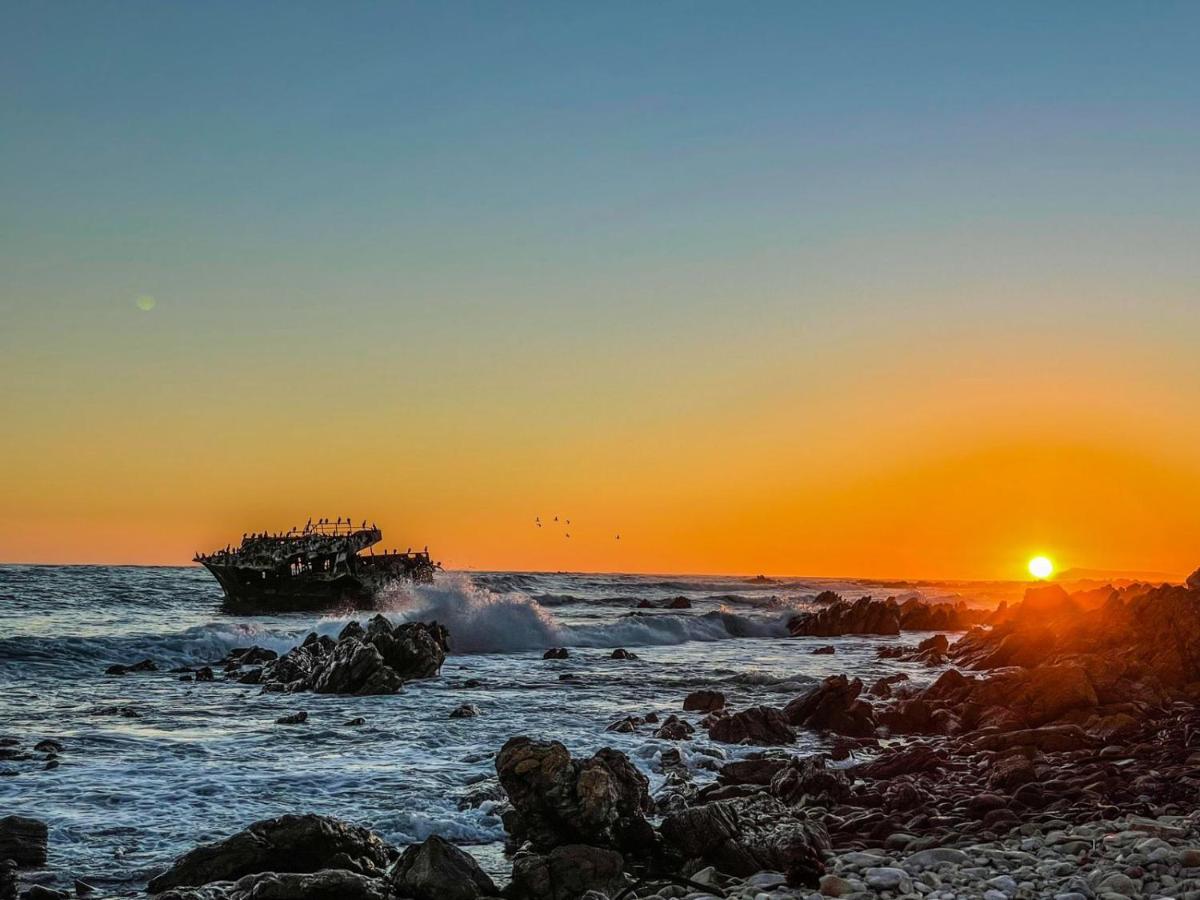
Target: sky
{"x":872,"y":289}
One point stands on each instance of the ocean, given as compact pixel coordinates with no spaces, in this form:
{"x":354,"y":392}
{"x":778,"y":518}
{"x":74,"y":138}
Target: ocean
{"x":200,"y":761}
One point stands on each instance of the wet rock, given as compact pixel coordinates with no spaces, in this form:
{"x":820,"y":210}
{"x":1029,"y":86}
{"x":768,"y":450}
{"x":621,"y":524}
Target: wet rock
{"x":437,"y":870}
{"x":567,"y":873}
{"x":678,"y":603}
{"x":329,"y":884}
{"x":756,"y":725}
{"x":622,"y":653}
{"x":8,"y":879}
{"x":23,"y":840}
{"x":356,"y":722}
{"x":48,"y":745}
{"x":204,"y":673}
{"x":863,"y":616}
{"x":292,"y":843}
{"x":745,"y":836}
{"x":146,"y":665}
{"x":827,"y":650}
{"x":703,"y":701}
{"x":556,"y":653}
{"x":83,"y":889}
{"x":674,"y":729}
{"x":356,"y":668}
{"x":759,"y":770}
{"x":808,"y":782}
{"x":296,"y":718}
{"x":556,"y":800}
{"x":41,"y":892}
{"x":465,"y":711}
{"x":412,"y":649}
{"x":833,"y":706}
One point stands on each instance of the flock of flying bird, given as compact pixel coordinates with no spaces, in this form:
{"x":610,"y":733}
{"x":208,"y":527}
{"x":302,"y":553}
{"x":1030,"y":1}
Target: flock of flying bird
{"x":537,"y":520}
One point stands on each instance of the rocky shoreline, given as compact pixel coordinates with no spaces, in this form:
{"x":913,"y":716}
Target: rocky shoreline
{"x":1058,"y":756}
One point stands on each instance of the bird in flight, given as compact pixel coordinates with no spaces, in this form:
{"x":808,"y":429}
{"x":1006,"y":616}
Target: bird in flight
{"x":618,"y":537}
{"x":568,"y":534}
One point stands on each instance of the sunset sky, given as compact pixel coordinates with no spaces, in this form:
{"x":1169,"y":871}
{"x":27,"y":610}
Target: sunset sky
{"x":886,"y":289}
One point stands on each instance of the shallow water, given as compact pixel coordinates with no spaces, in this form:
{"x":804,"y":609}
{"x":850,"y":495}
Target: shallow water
{"x":203,"y":760}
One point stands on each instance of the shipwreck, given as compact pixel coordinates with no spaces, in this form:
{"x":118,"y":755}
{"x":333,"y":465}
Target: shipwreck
{"x":324,"y":564}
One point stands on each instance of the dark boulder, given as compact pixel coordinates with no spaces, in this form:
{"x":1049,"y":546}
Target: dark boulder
{"x":826,"y":650}
{"x":23,"y":840}
{"x":328,"y":884}
{"x":833,"y":706}
{"x":807,"y":782}
{"x":704,"y":701}
{"x":437,"y":870}
{"x":679,"y":603}
{"x":411,"y":649}
{"x":465,"y":711}
{"x":622,"y":653}
{"x":757,"y":725}
{"x":674,"y":729}
{"x":296,"y":718}
{"x":8,"y":879}
{"x":556,"y":653}
{"x":556,"y":800}
{"x":744,"y":836}
{"x":292,"y":843}
{"x":863,"y":616}
{"x":356,"y":668}
{"x":146,"y":665}
{"x":567,"y":873}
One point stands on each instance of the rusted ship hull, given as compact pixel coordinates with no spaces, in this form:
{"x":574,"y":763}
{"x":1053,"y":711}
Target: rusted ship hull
{"x":320,"y":567}
{"x":258,"y":591}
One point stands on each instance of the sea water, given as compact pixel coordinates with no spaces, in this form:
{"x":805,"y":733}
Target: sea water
{"x":202,"y":760}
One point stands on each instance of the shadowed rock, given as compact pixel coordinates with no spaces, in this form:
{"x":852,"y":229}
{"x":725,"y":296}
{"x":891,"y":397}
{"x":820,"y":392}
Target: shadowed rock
{"x":557,"y":800}
{"x":745,"y":836}
{"x":437,"y":870}
{"x":330,"y":884}
{"x":293,"y":843}
{"x":757,"y":725}
{"x":23,"y":840}
{"x":567,"y":873}
{"x":833,"y":706}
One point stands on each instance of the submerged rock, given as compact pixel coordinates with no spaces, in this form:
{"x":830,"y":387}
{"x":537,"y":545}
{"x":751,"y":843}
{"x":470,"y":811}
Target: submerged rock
{"x":556,"y":653}
{"x":556,"y":800}
{"x":146,"y":665}
{"x":292,"y":843}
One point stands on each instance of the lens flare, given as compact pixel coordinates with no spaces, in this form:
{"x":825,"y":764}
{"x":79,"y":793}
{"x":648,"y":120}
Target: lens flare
{"x":1040,"y":567}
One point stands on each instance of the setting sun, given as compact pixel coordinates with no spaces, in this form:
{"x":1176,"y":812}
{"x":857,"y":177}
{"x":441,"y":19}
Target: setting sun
{"x":1040,"y":567}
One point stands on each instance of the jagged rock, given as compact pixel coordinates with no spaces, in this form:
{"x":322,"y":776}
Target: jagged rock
{"x":356,"y":668}
{"x":23,"y":840}
{"x":703,"y":701}
{"x":806,"y":782}
{"x":863,"y":616}
{"x":759,"y":770}
{"x":883,"y":687}
{"x":744,"y":836}
{"x":567,"y":873}
{"x":329,"y":884}
{"x":1193,"y":581}
{"x":292,"y":843}
{"x":833,"y":706}
{"x":41,"y":892}
{"x":437,"y":870}
{"x":674,"y":729}
{"x":557,"y":800}
{"x":363,"y":661}
{"x":756,"y":725}
{"x":411,"y":649}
